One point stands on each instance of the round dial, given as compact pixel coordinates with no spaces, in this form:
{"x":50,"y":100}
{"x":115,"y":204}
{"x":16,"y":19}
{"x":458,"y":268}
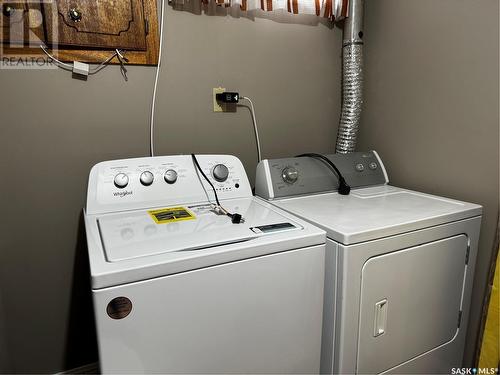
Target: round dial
{"x":360,"y":167}
{"x":147,"y":178}
{"x":290,"y":175}
{"x":220,"y":173}
{"x":121,"y":180}
{"x":170,"y":176}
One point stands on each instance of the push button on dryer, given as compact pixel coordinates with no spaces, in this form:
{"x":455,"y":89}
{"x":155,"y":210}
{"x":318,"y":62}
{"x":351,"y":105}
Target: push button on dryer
{"x":360,"y":167}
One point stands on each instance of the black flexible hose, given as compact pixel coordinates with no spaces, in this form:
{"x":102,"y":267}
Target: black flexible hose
{"x":344,"y":188}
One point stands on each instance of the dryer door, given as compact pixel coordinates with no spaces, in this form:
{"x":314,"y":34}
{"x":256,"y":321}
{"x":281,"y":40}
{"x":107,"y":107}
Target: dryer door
{"x":410,"y":302}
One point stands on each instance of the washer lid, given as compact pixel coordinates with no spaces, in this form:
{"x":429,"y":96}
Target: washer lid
{"x":137,"y":234}
{"x":375,"y":212}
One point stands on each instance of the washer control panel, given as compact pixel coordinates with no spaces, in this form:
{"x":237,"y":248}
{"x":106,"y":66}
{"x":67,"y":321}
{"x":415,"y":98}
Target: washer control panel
{"x":165,"y":180}
{"x":279,"y":178}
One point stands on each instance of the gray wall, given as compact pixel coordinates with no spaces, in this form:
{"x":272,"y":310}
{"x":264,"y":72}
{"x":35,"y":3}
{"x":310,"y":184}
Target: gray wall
{"x":432,"y":103}
{"x":53,"y":129}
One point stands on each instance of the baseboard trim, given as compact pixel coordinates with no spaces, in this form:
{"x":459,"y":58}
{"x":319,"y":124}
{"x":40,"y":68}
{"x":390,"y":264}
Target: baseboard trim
{"x":91,"y":368}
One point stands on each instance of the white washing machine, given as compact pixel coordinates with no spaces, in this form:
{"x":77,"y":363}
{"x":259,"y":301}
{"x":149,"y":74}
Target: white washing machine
{"x":179,"y":288}
{"x":399,"y":264}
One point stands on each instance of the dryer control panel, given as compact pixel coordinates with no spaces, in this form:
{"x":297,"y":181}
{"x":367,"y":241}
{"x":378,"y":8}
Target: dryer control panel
{"x":280,"y":178}
{"x":128,"y":184}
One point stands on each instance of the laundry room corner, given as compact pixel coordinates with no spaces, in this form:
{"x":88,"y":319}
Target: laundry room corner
{"x":54,"y":128}
{"x":137,"y":188}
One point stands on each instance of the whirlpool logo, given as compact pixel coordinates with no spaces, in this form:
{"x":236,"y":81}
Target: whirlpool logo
{"x":122,"y":194}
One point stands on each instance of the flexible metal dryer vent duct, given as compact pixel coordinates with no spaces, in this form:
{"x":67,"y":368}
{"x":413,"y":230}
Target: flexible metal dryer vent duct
{"x":352,"y":78}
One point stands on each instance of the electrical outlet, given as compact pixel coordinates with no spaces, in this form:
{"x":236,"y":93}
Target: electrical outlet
{"x":217,"y":106}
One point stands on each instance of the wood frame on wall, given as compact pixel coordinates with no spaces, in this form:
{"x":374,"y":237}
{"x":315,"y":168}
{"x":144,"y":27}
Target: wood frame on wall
{"x":147,"y":57}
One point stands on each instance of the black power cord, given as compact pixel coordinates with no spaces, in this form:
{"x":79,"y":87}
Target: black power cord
{"x":344,"y":188}
{"x":235,"y":218}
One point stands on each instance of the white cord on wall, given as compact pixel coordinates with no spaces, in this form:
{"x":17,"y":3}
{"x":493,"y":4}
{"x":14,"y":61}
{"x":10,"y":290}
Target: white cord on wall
{"x":254,"y":120}
{"x":88,"y":71}
{"x":59,"y":63}
{"x":105,"y":62}
{"x":155,"y":88}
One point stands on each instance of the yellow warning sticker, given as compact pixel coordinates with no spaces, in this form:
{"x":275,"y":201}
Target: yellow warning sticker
{"x":171,"y":214}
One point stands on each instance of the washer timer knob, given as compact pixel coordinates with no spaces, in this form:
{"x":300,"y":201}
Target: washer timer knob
{"x":170,"y":176}
{"x":220,"y":173}
{"x":121,"y":180}
{"x":146,"y":178}
{"x":290,"y":175}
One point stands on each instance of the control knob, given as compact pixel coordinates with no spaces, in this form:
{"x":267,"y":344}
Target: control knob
{"x":220,"y":173}
{"x":360,"y":167}
{"x":121,"y":180}
{"x":290,"y":175}
{"x":147,"y":178}
{"x":170,"y":176}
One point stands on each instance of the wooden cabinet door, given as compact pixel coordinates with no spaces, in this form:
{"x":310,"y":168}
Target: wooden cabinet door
{"x":96,"y":24}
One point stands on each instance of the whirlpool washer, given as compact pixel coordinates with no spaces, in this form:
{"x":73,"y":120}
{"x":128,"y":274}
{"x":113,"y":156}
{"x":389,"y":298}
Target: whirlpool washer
{"x":178,"y":288}
{"x":399,"y":264}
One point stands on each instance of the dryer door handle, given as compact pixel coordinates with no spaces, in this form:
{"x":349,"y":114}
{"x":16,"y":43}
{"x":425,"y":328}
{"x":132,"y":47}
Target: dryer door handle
{"x":380,"y":319}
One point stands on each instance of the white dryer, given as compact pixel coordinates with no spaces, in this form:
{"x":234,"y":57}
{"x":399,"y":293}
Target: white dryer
{"x":399,"y":264}
{"x":179,"y":288}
